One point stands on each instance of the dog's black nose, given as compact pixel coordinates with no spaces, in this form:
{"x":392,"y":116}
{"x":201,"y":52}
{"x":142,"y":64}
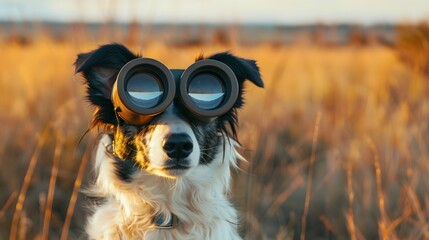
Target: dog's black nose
{"x":178,"y":145}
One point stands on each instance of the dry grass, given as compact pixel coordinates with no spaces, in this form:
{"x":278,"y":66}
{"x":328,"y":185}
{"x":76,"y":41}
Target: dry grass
{"x":364,"y":177}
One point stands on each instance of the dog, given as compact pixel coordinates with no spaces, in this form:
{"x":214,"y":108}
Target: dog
{"x":140,"y":198}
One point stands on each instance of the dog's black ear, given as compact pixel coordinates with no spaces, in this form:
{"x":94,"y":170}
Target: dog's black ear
{"x":100,"y":68}
{"x":243,"y":69}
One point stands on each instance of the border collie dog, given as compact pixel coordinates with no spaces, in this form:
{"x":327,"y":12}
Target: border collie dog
{"x":141,"y":198}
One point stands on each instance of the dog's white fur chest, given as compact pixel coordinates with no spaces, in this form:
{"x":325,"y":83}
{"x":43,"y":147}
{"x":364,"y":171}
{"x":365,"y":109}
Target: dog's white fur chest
{"x":198,"y":199}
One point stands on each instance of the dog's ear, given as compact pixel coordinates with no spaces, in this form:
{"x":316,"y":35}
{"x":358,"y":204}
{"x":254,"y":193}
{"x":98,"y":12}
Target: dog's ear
{"x":100,"y":68}
{"x":243,"y":69}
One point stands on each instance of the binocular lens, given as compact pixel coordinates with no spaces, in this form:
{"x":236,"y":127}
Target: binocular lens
{"x":207,"y":91}
{"x":146,"y":89}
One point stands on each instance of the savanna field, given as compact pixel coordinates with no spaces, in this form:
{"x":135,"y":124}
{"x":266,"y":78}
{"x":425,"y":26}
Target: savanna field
{"x":337,"y":143}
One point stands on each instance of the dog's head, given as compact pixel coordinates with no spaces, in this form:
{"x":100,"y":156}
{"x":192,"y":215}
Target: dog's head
{"x":173,"y":142}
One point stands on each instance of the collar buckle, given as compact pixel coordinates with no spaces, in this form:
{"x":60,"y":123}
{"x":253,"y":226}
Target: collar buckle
{"x":159,"y":221}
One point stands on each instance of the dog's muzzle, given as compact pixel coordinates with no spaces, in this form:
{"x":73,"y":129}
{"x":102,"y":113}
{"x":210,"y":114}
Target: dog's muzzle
{"x":145,"y":87}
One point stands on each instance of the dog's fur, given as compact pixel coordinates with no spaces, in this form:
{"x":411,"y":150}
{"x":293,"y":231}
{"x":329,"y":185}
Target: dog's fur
{"x":131,"y":181}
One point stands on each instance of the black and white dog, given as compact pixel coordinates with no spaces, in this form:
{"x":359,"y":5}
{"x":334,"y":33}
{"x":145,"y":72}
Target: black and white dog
{"x":144,"y":198}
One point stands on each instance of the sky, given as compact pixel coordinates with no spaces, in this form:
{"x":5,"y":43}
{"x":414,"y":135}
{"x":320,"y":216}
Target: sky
{"x":218,"y":11}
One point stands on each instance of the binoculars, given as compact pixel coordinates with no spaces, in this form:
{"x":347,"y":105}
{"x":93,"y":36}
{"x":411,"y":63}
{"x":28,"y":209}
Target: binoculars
{"x":145,"y":87}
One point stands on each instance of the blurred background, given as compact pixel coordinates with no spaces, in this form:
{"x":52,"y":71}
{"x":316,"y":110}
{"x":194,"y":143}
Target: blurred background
{"x":337,"y":143}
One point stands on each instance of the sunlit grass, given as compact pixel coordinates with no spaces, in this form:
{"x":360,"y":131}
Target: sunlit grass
{"x":368,"y":163}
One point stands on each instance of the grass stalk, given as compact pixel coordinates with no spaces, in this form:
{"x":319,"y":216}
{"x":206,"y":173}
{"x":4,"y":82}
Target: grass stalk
{"x":25,"y":185}
{"x":74,"y":195}
{"x":7,"y":204}
{"x":351,"y":226}
{"x":51,"y":190}
{"x":383,"y":224}
{"x":310,"y":175}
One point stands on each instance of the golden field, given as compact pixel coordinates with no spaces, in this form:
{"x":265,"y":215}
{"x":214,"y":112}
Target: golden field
{"x":337,"y":143}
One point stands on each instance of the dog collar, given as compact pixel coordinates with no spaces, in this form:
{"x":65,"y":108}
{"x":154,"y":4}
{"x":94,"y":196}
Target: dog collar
{"x":159,"y":221}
